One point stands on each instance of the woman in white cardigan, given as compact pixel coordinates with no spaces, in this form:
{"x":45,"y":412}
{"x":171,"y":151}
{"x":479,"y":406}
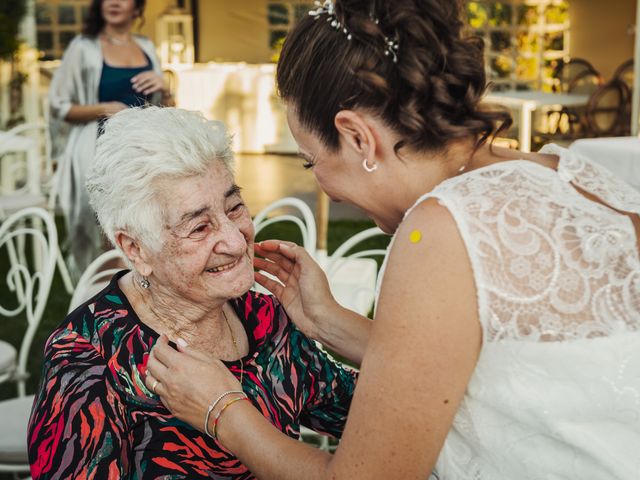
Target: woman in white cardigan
{"x":103,"y":70}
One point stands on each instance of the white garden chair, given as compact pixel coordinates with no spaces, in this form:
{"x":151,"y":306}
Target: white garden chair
{"x":97,"y":276}
{"x":353,"y":276}
{"x":30,"y":284}
{"x":27,"y":175}
{"x":304,"y":220}
{"x":286,"y":209}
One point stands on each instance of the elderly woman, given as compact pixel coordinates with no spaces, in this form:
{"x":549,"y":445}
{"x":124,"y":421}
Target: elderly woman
{"x":164,"y":193}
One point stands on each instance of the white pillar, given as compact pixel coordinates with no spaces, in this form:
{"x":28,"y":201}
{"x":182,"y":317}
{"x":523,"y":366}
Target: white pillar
{"x":27,"y":31}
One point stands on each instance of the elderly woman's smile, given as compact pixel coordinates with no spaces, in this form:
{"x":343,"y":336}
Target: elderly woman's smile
{"x":223,"y":268}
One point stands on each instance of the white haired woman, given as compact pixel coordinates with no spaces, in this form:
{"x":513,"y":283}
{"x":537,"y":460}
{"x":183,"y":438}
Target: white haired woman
{"x":164,"y":193}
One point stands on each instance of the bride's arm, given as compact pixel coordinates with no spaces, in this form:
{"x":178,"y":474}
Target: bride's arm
{"x":423,"y":348}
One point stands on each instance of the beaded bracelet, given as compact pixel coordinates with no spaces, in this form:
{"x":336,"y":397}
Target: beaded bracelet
{"x":213,"y":405}
{"x":224,"y":407}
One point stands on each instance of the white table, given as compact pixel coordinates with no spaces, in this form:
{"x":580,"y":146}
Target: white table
{"x":621,"y":155}
{"x":527,"y":101}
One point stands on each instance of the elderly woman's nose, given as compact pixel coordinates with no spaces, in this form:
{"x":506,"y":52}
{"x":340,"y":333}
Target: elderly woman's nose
{"x":231,"y":240}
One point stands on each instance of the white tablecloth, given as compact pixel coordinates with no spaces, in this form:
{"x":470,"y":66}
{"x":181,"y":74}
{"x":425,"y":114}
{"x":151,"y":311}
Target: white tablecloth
{"x":621,"y":155}
{"x":244,"y":97}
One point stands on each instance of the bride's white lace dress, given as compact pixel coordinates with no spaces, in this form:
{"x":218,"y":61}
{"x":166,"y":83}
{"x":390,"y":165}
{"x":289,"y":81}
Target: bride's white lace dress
{"x":556,"y":390}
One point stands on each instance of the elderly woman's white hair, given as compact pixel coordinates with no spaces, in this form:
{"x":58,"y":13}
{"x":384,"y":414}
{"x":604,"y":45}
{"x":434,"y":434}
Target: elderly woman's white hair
{"x":141,"y":147}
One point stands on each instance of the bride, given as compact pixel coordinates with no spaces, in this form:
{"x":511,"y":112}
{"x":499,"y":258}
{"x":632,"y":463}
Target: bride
{"x":505,"y":343}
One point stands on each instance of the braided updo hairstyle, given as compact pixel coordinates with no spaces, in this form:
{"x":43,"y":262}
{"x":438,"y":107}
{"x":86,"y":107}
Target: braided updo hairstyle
{"x":429,"y":96}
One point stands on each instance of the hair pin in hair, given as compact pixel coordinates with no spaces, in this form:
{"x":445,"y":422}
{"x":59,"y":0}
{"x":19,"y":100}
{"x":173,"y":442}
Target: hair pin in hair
{"x":391,"y":48}
{"x":328,"y":7}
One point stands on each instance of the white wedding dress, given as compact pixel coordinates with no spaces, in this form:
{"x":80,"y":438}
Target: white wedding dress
{"x":556,"y":390}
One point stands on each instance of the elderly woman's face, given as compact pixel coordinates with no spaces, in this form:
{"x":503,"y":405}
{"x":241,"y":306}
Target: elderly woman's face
{"x":207,"y":252}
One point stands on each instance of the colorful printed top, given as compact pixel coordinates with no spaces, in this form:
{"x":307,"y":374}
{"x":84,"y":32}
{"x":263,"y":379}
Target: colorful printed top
{"x":94,"y":418}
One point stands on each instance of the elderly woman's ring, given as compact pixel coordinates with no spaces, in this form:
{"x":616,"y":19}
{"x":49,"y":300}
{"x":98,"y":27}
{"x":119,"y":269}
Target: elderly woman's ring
{"x":153,"y":387}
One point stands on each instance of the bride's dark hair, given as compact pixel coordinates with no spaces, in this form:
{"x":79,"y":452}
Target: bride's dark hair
{"x":430,"y":96}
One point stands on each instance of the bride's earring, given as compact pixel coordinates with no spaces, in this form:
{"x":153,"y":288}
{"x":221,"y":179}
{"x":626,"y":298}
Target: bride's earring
{"x":367,"y":167}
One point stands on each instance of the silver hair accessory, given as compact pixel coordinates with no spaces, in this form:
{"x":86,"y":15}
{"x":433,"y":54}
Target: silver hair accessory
{"x":391,"y":47}
{"x":144,"y":283}
{"x":327,"y":7}
{"x":368,"y":168}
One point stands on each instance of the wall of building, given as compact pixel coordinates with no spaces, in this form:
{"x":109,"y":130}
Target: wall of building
{"x":152,"y":11}
{"x":233,"y":31}
{"x":236,"y":31}
{"x":602,"y":32}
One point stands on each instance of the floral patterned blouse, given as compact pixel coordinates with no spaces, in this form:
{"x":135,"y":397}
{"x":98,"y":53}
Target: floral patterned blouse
{"x":94,"y":418}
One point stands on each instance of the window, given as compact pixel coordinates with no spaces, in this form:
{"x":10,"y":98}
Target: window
{"x":281,"y":16}
{"x":523,"y":40}
{"x":57,"y":22}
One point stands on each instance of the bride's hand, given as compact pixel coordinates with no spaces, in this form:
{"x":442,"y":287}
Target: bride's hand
{"x":187,"y":381}
{"x":303,"y":290}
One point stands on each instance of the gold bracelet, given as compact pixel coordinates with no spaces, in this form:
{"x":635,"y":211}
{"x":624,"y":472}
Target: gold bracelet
{"x":213,"y":405}
{"x":229,"y":403}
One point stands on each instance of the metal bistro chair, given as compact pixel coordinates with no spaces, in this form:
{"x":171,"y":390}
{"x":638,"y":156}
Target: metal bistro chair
{"x":30,"y":285}
{"x":625,"y":73}
{"x":606,"y":114}
{"x":574,"y":76}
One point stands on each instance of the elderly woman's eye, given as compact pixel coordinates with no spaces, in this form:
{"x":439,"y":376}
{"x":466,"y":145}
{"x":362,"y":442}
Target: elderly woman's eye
{"x":200,"y":228}
{"x":237,"y":208}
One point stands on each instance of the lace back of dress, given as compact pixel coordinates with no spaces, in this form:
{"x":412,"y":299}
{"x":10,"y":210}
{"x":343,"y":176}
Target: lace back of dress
{"x":550,"y":264}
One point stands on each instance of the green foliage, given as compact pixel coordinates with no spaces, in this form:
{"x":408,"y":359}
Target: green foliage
{"x":11,"y":14}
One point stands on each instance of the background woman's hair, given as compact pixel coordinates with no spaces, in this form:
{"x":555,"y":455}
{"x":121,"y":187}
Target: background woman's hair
{"x":94,"y":23}
{"x":429,"y":97}
{"x":139,"y":150}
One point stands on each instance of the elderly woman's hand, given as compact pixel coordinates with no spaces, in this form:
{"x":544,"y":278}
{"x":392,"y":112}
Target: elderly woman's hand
{"x":187,"y":381}
{"x":303,"y":290}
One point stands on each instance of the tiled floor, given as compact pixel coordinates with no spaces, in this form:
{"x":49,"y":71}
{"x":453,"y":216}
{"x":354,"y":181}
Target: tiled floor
{"x":265,"y":178}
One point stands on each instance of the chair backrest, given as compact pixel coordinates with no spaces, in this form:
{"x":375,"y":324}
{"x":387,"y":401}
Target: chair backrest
{"x":305,"y":220}
{"x":21,"y":172}
{"x":97,"y":275}
{"x":625,"y":73}
{"x":576,"y":75}
{"x":29,"y":277}
{"x":171,"y":81}
{"x":353,"y":271}
{"x":606,"y":113}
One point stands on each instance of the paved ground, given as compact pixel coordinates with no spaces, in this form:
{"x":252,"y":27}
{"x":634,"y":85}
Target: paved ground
{"x":265,"y":178}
